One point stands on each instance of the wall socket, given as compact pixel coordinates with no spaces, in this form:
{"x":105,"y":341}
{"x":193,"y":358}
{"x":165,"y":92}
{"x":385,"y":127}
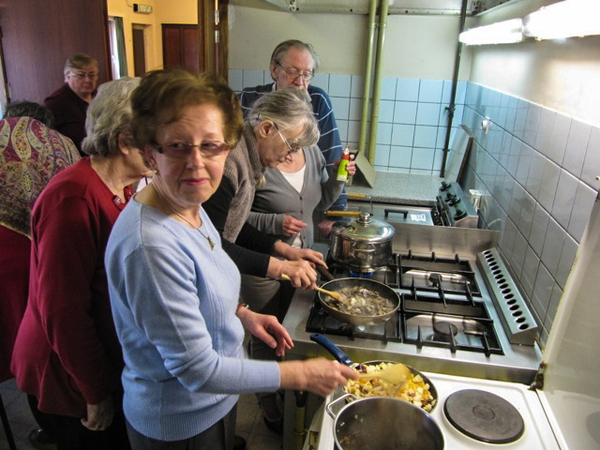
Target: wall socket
{"x":143,"y":9}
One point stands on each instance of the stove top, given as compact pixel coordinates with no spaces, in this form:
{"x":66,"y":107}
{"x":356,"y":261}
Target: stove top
{"x":446,"y":313}
{"x":526,"y":427}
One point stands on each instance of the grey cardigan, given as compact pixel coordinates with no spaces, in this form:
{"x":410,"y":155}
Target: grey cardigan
{"x":278,"y":197}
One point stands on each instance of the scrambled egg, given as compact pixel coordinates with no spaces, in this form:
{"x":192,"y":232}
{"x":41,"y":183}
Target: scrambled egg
{"x":414,"y":390}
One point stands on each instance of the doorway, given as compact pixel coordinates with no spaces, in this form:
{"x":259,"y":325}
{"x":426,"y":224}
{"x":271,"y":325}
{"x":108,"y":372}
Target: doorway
{"x":139,"y":49}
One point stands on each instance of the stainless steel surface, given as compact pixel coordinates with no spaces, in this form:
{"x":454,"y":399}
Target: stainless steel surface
{"x":443,"y":241}
{"x":372,"y":423}
{"x":363,"y":244}
{"x":519,"y":363}
{"x":518,"y":322}
{"x":455,"y":206}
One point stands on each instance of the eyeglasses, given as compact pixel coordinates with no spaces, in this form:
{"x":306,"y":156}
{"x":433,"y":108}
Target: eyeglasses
{"x":83,"y":75}
{"x":293,"y":74}
{"x":182,"y":150}
{"x":290,"y":148}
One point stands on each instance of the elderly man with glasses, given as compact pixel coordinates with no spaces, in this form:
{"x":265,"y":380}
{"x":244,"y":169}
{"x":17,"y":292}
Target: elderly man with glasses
{"x":69,"y":103}
{"x":293,"y":65}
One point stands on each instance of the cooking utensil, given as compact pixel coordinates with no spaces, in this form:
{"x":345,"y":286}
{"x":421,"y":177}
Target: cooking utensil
{"x":356,"y":319}
{"x":342,"y":213}
{"x":343,"y":358}
{"x":325,"y":274}
{"x":336,"y":295}
{"x":396,"y":374}
{"x":363,"y":244}
{"x":382,"y":423}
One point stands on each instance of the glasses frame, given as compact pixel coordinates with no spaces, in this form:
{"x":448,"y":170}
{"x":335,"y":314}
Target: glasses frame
{"x":84,"y":75}
{"x":291,"y":149}
{"x":187,"y":150}
{"x":295,"y":73}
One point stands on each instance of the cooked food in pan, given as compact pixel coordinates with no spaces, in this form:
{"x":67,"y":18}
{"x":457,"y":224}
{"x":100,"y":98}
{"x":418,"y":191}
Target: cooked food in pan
{"x":358,"y":300}
{"x":414,"y":390}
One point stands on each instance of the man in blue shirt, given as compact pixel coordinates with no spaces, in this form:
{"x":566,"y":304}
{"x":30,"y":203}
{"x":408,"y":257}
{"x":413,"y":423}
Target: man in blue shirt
{"x":293,"y":65}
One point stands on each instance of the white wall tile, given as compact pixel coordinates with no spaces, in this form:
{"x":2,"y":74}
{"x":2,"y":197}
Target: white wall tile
{"x":236,"y":79}
{"x":591,"y":164}
{"x":339,"y":85}
{"x":431,"y":91}
{"x":553,"y":244}
{"x":579,"y":135}
{"x":357,"y":89}
{"x":538,"y":229}
{"x":582,"y":207}
{"x":407,"y":89}
{"x":548,"y":184}
{"x":530,"y":268}
{"x":253,"y":78}
{"x":405,"y":112}
{"x":403,"y":135}
{"x":388,"y":88}
{"x":428,"y":114}
{"x":400,"y":156}
{"x":558,"y":138}
{"x":563,"y":200}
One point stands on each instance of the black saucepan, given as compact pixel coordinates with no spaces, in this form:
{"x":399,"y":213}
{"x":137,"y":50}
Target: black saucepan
{"x":356,"y":319}
{"x":343,"y":358}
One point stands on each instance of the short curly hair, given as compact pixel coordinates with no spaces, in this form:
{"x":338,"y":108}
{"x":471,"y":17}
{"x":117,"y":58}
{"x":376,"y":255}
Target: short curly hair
{"x":163,"y":94}
{"x":108,"y":116}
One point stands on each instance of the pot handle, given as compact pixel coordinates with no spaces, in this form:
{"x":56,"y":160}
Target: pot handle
{"x":331,"y":348}
{"x":335,"y":402}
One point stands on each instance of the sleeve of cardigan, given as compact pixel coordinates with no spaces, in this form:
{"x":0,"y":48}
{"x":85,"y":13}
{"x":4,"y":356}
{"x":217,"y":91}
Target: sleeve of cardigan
{"x":252,"y":249}
{"x":67,"y":258}
{"x":270,"y":223}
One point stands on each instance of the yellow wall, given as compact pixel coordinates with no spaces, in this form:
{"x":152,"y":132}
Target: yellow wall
{"x":164,"y":11}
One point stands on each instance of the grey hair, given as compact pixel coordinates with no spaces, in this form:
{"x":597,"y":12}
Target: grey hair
{"x":109,"y":115}
{"x":288,"y":109}
{"x":281,"y":50}
{"x":78,"y":61}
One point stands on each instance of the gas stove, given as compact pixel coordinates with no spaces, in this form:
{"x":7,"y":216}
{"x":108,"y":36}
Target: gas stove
{"x":451,"y":208}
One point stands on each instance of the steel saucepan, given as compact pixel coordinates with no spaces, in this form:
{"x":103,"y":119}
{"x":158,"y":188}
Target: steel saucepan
{"x":428,"y":404}
{"x":356,"y":319}
{"x":379,"y":423}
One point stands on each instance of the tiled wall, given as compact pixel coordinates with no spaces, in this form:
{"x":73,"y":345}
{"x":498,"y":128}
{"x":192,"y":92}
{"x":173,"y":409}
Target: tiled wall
{"x":412,"y":116}
{"x":539,"y":168}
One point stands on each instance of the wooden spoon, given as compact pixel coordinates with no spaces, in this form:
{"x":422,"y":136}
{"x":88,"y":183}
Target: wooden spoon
{"x":395,"y":374}
{"x":335,"y":295}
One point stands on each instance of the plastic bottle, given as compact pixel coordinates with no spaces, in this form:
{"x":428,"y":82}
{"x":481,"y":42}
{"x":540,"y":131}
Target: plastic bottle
{"x":342,"y":173}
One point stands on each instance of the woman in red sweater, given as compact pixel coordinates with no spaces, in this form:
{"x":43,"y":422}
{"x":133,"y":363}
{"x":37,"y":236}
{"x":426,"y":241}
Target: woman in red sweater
{"x":67,"y":354}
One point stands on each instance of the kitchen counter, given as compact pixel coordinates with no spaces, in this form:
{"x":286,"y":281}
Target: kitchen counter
{"x":406,"y":188}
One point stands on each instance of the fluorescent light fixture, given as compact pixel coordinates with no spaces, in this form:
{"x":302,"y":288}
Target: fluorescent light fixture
{"x":569,"y":18}
{"x":506,"y":32}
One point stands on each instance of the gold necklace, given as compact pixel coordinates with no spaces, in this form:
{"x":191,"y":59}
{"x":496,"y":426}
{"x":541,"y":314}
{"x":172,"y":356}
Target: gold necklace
{"x":207,"y":237}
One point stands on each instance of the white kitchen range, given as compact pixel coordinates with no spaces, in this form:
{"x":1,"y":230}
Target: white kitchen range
{"x":459,"y":320}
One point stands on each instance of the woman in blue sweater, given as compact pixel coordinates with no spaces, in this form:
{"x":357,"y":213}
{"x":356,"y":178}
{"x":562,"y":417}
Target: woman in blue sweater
{"x":174,"y":291}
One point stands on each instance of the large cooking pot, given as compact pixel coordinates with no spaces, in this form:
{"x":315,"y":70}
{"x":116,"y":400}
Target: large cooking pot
{"x":379,"y":423}
{"x":355,"y":319}
{"x":362,"y":244}
{"x":343,"y":358}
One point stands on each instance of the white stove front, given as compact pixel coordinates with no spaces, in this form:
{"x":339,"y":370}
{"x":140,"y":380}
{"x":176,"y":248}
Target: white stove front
{"x":538,"y":433}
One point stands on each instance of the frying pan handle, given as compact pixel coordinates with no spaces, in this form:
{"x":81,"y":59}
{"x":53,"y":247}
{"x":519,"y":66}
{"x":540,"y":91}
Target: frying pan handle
{"x":331,"y":348}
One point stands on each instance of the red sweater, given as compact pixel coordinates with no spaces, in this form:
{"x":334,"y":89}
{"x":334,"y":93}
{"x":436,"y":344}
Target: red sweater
{"x":67,"y":353}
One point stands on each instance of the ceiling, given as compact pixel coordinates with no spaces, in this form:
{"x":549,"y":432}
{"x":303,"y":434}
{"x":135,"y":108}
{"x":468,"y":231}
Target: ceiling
{"x":434,"y":7}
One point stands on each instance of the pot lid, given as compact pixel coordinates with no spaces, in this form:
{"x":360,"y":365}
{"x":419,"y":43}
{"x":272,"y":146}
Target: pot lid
{"x":364,"y":228}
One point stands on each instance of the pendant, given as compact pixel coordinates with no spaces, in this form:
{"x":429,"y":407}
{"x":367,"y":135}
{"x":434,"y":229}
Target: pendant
{"x":211,"y":243}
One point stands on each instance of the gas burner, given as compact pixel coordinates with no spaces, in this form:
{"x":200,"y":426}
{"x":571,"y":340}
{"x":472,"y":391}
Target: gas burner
{"x":444,"y":275}
{"x":484,"y":416}
{"x":361,"y":274}
{"x":444,"y":330}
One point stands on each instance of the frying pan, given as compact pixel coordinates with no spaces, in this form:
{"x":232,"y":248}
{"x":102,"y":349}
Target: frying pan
{"x":356,"y":319}
{"x":343,"y":358}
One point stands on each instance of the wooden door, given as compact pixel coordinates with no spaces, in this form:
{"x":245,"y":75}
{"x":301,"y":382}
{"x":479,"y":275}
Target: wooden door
{"x":181,"y":47}
{"x":37,"y":40}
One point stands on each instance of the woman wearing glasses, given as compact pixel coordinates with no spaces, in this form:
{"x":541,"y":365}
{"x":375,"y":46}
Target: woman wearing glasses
{"x":280,"y":123}
{"x":293,"y":64}
{"x":69,"y":103}
{"x":175,"y":291}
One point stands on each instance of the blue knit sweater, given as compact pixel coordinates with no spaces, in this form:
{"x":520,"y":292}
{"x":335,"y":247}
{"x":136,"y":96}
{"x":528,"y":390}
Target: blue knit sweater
{"x":173,"y":301}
